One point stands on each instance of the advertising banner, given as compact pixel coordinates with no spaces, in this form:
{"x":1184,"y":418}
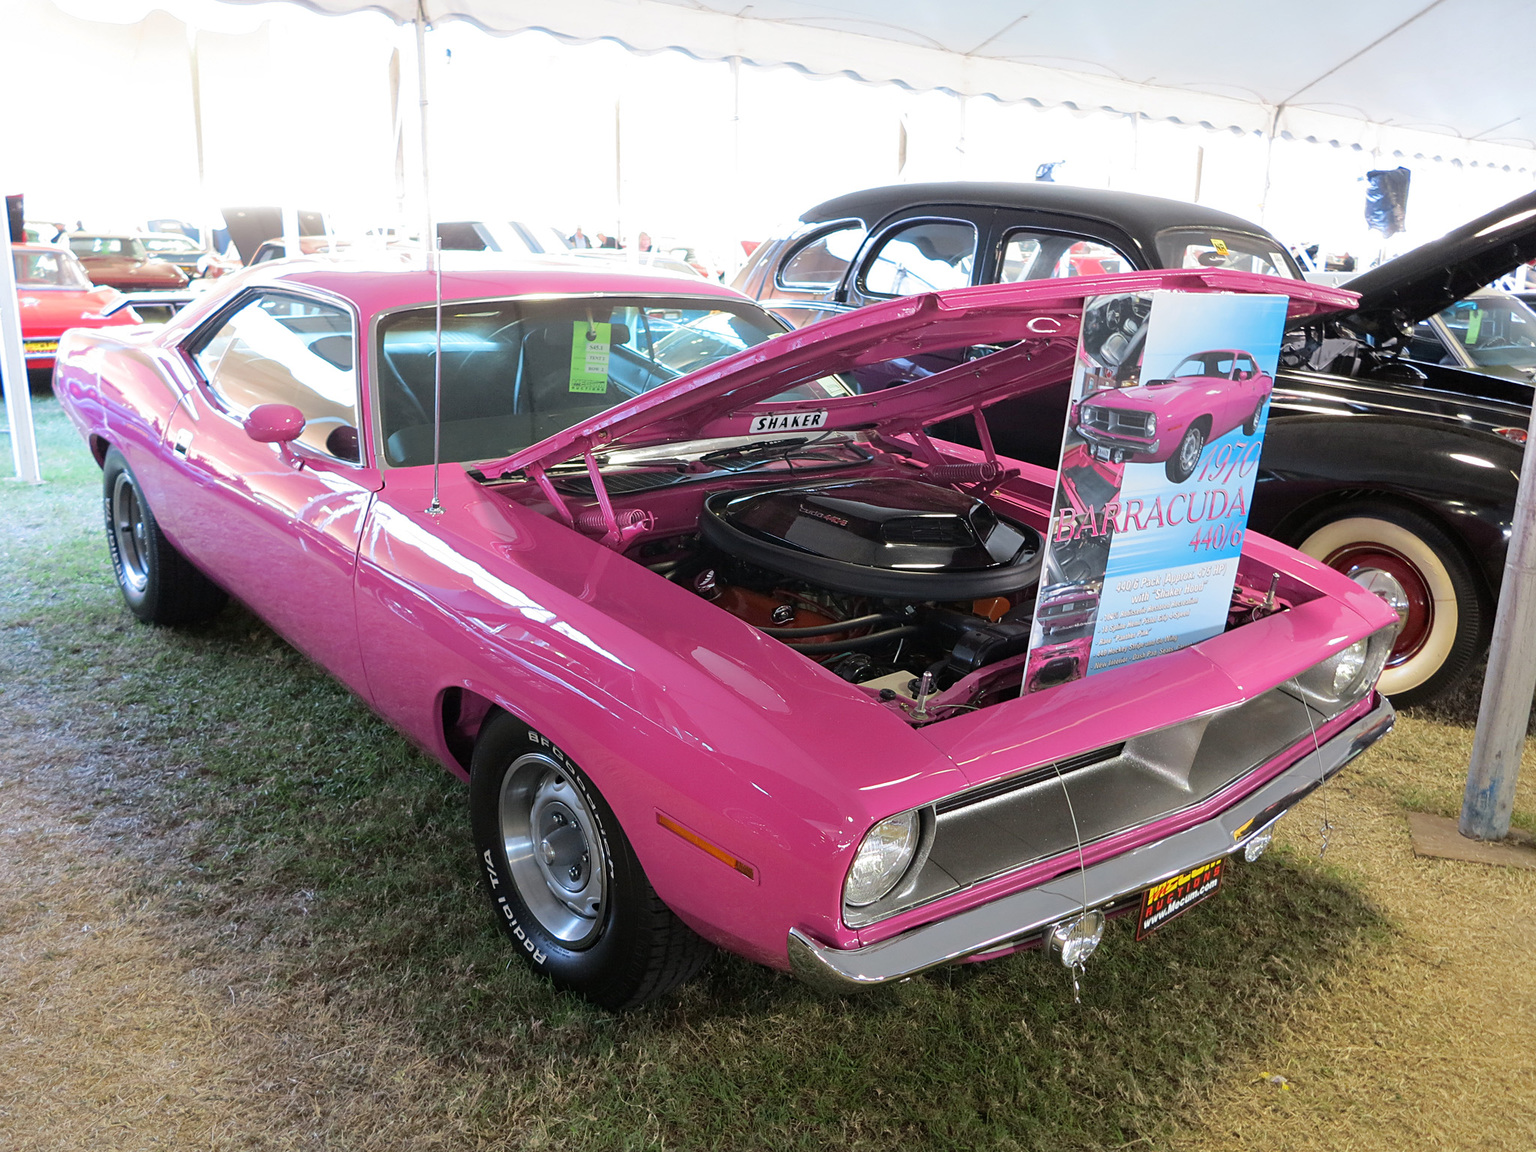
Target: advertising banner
{"x":1170,"y":395}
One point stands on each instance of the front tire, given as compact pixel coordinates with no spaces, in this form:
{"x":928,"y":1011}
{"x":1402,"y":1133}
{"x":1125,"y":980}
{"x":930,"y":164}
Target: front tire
{"x":563,"y":881}
{"x":1446,"y":615}
{"x":1186,"y":457}
{"x":158,"y":583}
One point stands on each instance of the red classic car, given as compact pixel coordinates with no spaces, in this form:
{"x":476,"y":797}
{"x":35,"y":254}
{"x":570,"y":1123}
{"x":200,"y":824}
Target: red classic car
{"x":55,"y":294}
{"x":1172,"y":420}
{"x":123,"y":262}
{"x":669,"y":627}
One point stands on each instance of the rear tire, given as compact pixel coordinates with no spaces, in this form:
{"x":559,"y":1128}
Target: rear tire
{"x":158,"y":583}
{"x":563,"y":881}
{"x":1448,"y":616}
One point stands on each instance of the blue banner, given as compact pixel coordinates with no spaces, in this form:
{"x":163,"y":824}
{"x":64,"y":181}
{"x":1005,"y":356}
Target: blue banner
{"x":1170,"y":396}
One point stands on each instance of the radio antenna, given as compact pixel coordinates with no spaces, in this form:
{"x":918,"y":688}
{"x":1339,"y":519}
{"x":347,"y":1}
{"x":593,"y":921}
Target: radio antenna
{"x":435,"y":262}
{"x":436,"y":507}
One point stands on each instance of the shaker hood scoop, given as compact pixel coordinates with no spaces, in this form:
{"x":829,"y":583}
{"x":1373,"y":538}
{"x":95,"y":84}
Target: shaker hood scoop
{"x":1038,"y":318}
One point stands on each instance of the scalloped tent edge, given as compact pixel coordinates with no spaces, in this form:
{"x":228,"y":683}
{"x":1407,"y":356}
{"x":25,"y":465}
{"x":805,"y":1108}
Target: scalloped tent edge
{"x":874,"y":49}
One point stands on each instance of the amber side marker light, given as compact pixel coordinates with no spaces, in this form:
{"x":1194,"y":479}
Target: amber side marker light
{"x":699,"y":842}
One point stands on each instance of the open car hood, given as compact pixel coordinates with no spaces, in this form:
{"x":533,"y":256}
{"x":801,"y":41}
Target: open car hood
{"x":1038,"y":319}
{"x":1434,"y":276}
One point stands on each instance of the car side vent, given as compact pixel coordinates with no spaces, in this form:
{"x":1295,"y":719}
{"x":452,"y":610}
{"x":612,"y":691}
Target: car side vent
{"x":1013,"y":783}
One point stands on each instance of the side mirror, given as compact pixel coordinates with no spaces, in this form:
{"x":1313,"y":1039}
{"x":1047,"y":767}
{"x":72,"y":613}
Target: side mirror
{"x":274,"y":423}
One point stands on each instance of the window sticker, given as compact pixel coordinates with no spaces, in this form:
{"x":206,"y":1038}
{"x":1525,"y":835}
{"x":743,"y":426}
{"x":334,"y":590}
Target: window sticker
{"x":1474,"y":325}
{"x":1220,"y":245}
{"x":589,"y":357}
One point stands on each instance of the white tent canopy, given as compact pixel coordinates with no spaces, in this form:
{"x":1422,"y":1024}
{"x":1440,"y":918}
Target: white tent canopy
{"x":1360,"y":74}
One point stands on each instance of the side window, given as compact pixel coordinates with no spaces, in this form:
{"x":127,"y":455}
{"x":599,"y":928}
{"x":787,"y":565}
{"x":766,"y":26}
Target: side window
{"x":822,"y":262}
{"x":281,"y":349}
{"x":1090,"y":258}
{"x":923,"y":257}
{"x":1427,"y":346}
{"x":1051,"y":255}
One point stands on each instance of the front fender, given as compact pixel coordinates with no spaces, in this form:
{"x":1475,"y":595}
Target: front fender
{"x":1465,"y":478}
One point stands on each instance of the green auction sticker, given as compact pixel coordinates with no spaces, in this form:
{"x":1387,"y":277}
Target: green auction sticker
{"x":589,"y":357}
{"x":1474,"y":326}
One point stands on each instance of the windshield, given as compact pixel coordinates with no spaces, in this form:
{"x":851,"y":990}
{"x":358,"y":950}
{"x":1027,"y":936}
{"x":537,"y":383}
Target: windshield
{"x":48,"y":270}
{"x":1219,"y":248}
{"x":517,"y":371}
{"x":1496,"y":331}
{"x":105,"y":246}
{"x":174,"y":245}
{"x":1226,"y":365}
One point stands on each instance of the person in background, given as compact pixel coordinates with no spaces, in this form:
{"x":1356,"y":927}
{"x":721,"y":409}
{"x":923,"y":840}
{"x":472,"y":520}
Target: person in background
{"x":607,"y":241}
{"x":643,"y":244}
{"x":578,"y":238}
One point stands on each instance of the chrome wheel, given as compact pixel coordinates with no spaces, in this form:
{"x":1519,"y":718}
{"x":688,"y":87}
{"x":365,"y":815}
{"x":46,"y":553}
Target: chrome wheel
{"x":130,"y":534}
{"x":1189,"y":450}
{"x":1186,"y":457}
{"x":553,"y":848}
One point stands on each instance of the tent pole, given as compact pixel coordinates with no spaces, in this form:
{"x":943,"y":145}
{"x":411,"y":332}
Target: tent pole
{"x":1510,"y":681}
{"x":18,"y":396}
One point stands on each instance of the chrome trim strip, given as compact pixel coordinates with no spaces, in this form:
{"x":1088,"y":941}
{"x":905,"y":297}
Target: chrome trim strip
{"x":1015,"y":917}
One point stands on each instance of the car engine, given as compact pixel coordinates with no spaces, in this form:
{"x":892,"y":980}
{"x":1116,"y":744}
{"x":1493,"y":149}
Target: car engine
{"x":902,"y":586}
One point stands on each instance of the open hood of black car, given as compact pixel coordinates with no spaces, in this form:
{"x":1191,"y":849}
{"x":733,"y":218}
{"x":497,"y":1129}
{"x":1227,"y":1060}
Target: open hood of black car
{"x":1434,"y":276}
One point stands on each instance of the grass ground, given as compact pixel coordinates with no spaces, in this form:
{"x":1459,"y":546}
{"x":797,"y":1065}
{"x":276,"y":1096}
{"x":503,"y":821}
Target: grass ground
{"x":237,"y":911}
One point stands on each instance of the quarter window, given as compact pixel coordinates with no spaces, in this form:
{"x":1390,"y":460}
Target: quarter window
{"x":822,"y":262}
{"x":281,"y":349}
{"x":926,"y":256}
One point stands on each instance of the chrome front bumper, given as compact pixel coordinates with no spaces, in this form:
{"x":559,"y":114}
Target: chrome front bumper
{"x":1014,"y":918}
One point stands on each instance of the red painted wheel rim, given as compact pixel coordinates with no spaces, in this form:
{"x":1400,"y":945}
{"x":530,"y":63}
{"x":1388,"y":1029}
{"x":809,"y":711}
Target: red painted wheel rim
{"x":1421,"y":605}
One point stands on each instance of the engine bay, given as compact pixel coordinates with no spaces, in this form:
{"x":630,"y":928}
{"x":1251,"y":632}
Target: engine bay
{"x":917,"y":581}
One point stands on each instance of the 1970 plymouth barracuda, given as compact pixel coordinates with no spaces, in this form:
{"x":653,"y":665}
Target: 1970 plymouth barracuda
{"x":727,"y":659}
{"x":55,"y":294}
{"x":1171,"y":421}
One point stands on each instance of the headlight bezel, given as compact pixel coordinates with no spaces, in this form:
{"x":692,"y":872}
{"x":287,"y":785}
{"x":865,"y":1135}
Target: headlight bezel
{"x":1346,"y":676}
{"x":907,"y":862}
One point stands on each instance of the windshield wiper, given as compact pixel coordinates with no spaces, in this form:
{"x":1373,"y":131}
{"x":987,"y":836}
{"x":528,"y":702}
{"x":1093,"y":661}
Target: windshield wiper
{"x":744,"y":457}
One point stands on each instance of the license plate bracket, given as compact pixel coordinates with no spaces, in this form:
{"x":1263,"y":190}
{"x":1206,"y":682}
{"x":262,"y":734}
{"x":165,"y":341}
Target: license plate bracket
{"x":1169,"y":899}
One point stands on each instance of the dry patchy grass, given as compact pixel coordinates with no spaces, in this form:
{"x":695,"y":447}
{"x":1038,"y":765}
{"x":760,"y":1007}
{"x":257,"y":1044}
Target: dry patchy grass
{"x":237,"y":912}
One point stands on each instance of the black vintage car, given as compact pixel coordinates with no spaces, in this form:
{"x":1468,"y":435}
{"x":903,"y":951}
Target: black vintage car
{"x":884,"y":242}
{"x":1399,"y":472}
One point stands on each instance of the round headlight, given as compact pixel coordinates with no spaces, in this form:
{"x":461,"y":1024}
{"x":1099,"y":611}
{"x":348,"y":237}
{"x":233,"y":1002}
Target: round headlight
{"x":1151,"y":423}
{"x":1086,"y":413}
{"x":1347,"y":666}
{"x":882,"y":859}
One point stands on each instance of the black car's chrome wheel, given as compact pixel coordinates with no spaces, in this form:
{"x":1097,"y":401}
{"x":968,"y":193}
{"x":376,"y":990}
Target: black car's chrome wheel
{"x":1419,"y":571}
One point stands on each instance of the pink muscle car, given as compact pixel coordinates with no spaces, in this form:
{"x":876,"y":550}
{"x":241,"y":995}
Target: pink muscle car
{"x":1172,"y":420}
{"x":726,"y":658}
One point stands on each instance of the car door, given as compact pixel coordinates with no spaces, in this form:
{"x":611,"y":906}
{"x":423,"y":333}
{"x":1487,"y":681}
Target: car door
{"x":277,"y":525}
